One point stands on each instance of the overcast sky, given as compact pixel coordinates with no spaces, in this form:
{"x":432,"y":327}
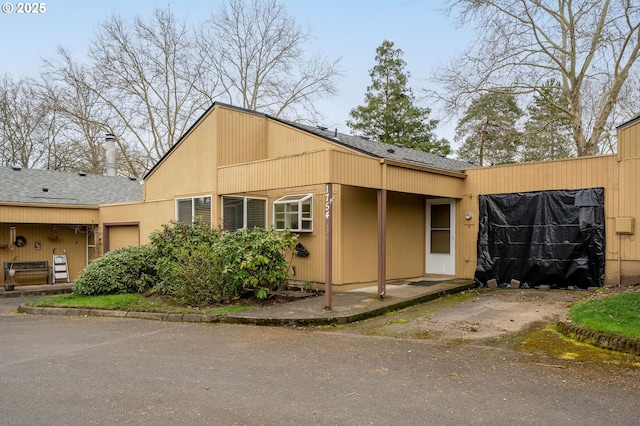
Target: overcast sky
{"x":350,"y":29}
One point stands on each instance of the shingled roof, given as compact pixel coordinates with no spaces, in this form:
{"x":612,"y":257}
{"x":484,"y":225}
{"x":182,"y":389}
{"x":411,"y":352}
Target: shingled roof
{"x":384,"y":150}
{"x":358,"y":143}
{"x":53,"y":187}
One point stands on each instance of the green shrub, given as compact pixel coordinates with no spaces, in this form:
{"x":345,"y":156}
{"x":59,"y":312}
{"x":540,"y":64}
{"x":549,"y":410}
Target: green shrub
{"x":124,"y":270}
{"x":196,"y":276}
{"x":257,"y":259}
{"x":171,"y":244}
{"x":194,"y":264}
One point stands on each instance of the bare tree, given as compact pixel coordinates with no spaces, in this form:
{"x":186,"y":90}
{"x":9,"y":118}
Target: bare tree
{"x":27,"y":124}
{"x":257,"y":50}
{"x":589,"y":46}
{"x":87,"y":118}
{"x":147,"y":79}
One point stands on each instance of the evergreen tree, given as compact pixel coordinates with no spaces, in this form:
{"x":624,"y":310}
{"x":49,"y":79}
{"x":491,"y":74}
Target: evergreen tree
{"x":488,"y":129}
{"x":548,"y":134}
{"x":389,"y":114}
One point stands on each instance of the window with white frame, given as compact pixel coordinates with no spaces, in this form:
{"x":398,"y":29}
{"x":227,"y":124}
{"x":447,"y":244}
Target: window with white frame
{"x":187,"y":209}
{"x":243,"y":212}
{"x":294,"y":212}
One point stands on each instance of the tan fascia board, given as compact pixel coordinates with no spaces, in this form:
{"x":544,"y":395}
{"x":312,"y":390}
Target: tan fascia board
{"x":53,"y":206}
{"x":124,"y":203}
{"x":418,"y":167}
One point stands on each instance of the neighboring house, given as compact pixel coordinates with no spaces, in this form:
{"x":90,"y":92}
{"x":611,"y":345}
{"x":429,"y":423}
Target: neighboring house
{"x":56,"y":210}
{"x":369,"y":212}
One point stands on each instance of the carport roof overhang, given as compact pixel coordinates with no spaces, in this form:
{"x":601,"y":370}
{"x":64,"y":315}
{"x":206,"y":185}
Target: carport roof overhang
{"x":49,"y":213}
{"x":345,"y":168}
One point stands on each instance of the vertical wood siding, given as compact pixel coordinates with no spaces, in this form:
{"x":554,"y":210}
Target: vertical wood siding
{"x":191,"y":167}
{"x":241,"y":137}
{"x":51,"y":214}
{"x":355,"y":240}
{"x":564,"y":174}
{"x":406,"y":235}
{"x":629,"y":141}
{"x":264,"y":175}
{"x":309,"y":268}
{"x":150,"y":215}
{"x":66,"y":239}
{"x":419,"y":182}
{"x":284,"y":140}
{"x":356,"y":170}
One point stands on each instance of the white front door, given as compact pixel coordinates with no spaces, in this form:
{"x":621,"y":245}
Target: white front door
{"x":441,"y":237}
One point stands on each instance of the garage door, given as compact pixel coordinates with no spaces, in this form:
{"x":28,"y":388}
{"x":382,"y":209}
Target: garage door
{"x":122,"y":236}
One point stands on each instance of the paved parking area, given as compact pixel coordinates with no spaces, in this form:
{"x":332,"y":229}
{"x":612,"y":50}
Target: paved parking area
{"x":84,"y":370}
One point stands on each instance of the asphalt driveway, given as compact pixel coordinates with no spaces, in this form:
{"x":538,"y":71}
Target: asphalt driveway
{"x":84,"y":370}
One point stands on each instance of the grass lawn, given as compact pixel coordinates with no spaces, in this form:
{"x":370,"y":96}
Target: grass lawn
{"x":619,"y":314}
{"x":132,"y":302}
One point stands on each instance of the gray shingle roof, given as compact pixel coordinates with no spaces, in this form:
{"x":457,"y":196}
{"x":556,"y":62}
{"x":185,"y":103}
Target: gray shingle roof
{"x":392,"y":152}
{"x":28,"y":186}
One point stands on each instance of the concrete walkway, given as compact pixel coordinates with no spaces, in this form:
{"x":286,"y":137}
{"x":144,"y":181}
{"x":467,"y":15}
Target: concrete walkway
{"x":350,"y":306}
{"x":346,"y":306}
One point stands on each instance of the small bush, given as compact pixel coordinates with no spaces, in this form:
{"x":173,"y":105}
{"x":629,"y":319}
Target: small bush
{"x":125,"y":270}
{"x":257,"y":259}
{"x":196,"y":277}
{"x":175,"y":241}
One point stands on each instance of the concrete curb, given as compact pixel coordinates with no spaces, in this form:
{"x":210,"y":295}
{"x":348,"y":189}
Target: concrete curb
{"x":598,"y":339}
{"x":156,"y":316}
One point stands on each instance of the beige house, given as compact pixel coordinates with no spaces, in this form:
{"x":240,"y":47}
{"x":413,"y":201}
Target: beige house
{"x":43,"y":212}
{"x":366,"y":212}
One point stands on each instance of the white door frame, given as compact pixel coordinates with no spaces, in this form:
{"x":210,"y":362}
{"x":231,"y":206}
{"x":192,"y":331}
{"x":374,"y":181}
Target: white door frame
{"x":441,"y":263}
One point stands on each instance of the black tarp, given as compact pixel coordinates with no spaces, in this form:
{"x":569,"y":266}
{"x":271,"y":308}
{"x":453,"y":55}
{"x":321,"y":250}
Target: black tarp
{"x":546,"y":237}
